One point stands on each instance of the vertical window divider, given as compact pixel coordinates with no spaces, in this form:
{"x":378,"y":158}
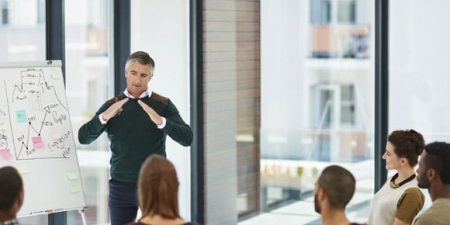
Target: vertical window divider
{"x":381,"y":89}
{"x":197,"y":114}
{"x":121,"y":40}
{"x":55,"y":49}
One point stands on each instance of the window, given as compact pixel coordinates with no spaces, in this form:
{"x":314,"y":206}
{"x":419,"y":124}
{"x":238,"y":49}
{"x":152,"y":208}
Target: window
{"x":318,"y":109}
{"x":333,"y":11}
{"x":418,"y":69}
{"x":334,"y":106}
{"x":22,"y":38}
{"x":88,"y":86}
{"x":161,"y":28}
{"x":22,"y":34}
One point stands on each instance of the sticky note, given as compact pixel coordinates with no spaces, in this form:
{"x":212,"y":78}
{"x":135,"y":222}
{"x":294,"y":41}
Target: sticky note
{"x":5,"y":154}
{"x":71,"y":176}
{"x":74,"y":186}
{"x":21,"y":116}
{"x":37,"y":142}
{"x":55,"y":76}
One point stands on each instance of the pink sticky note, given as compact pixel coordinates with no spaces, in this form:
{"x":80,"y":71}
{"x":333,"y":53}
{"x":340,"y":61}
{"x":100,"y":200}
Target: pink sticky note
{"x":37,"y":142}
{"x":5,"y":154}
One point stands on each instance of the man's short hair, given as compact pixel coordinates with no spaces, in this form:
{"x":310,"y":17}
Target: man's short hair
{"x":142,"y":58}
{"x":11,"y":186}
{"x":339,"y":185}
{"x":438,"y":158}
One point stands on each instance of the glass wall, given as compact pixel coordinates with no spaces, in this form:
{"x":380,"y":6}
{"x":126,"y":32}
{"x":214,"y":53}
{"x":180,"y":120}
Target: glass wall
{"x":418,"y":69}
{"x":22,"y":38}
{"x":317,"y":104}
{"x":161,"y":28}
{"x":22,"y":35}
{"x":88,"y":86}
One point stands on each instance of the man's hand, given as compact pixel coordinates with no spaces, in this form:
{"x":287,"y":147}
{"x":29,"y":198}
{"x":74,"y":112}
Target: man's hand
{"x":154,"y":116}
{"x":114,"y":109}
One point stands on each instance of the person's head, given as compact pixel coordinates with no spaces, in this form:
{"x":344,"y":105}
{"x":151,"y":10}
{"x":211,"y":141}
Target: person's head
{"x":158,"y":188}
{"x":138,"y":72}
{"x":434,"y":165}
{"x":334,"y":189}
{"x":11,"y":192}
{"x":403,"y":149}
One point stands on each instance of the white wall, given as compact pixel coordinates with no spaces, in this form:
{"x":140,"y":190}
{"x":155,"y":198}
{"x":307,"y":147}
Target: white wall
{"x":161,"y":28}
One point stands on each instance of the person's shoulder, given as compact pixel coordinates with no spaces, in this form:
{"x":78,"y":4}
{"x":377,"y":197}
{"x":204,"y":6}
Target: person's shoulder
{"x":424,"y":219}
{"x":159,"y":98}
{"x":414,"y":191}
{"x":115,"y":99}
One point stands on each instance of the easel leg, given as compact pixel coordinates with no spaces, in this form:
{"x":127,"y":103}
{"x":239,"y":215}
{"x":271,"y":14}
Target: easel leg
{"x":83,"y":216}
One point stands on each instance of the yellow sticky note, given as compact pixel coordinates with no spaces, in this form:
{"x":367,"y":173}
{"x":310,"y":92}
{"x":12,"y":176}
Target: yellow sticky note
{"x":55,"y":76}
{"x":74,"y":186}
{"x":72,"y":176}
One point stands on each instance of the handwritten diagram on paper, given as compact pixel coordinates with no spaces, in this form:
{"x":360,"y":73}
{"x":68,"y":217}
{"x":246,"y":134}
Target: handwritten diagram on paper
{"x":33,"y":119}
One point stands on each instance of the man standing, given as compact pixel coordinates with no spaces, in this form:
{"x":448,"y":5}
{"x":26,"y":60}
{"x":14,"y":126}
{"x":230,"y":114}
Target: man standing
{"x":334,"y":190}
{"x":137,"y":123}
{"x":433,"y":174}
{"x":11,"y":195}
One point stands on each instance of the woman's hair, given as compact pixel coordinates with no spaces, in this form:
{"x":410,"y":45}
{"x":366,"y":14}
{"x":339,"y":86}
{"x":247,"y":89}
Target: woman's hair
{"x":11,"y":186}
{"x":158,"y":188}
{"x":408,"y":144}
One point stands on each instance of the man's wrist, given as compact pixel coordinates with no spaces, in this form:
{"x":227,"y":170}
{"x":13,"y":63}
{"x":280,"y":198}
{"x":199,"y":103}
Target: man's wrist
{"x":102,"y":119}
{"x":163,"y":123}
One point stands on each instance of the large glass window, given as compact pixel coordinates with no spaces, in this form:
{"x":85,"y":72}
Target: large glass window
{"x":161,"y":28}
{"x":22,"y":38}
{"x":317,"y":104}
{"x":88,"y":85}
{"x":22,"y":30}
{"x":418,"y":69}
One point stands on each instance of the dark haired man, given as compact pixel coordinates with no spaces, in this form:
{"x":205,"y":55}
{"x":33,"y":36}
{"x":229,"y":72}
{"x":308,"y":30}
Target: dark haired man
{"x":137,"y":123}
{"x":334,"y":190}
{"x":433,"y":174}
{"x":11,"y":195}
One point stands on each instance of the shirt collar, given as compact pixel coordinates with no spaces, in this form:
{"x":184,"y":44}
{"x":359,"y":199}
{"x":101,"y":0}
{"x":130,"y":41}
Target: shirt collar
{"x":143,"y":95}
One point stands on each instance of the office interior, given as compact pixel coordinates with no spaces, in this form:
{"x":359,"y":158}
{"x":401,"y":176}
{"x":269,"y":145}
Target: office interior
{"x":274,"y":92}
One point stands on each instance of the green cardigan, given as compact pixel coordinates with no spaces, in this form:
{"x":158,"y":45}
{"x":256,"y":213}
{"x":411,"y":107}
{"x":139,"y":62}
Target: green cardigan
{"x":134,"y":136}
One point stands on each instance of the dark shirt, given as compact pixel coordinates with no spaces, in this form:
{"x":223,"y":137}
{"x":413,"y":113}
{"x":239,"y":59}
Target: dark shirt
{"x":134,"y":136}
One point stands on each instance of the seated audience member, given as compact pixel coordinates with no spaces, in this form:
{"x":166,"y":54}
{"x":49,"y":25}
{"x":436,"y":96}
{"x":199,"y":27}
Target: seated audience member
{"x":399,"y":200}
{"x":158,"y":193}
{"x":433,"y":174}
{"x":334,"y":190}
{"x":11,"y":195}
